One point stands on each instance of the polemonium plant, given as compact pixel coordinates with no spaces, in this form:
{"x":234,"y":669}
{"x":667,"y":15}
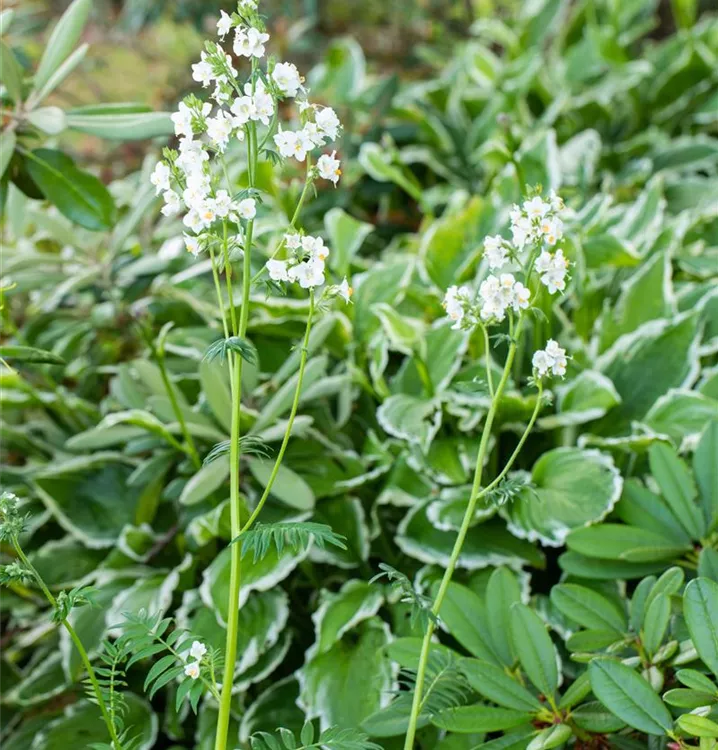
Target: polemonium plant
{"x":518,"y":270}
{"x":245,"y":91}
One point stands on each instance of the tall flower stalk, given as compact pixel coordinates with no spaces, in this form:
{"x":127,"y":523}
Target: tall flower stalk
{"x":220,"y":221}
{"x":536,"y":227}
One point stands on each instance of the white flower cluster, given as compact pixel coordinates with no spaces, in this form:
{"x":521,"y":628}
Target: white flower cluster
{"x":551,"y":360}
{"x":196,"y":653}
{"x":537,"y":221}
{"x":186,"y":179}
{"x":553,"y":268}
{"x":496,"y":295}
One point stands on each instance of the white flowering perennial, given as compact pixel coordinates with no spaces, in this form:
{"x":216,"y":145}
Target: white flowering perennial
{"x":551,"y":360}
{"x":537,"y":221}
{"x":186,"y":178}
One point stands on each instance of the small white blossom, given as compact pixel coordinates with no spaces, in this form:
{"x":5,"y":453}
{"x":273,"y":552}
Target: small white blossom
{"x":456,"y":301}
{"x":222,"y":203}
{"x":553,"y":270}
{"x":277,"y":270}
{"x":495,"y":251}
{"x":219,"y":129}
{"x":172,"y":203}
{"x":192,"y":670}
{"x":202,"y":71}
{"x":536,"y":208}
{"x":293,"y":241}
{"x":285,"y":141}
{"x":345,"y":291}
{"x":243,"y":110}
{"x":551,"y":359}
{"x":160,"y":178}
{"x":263,"y":105}
{"x":224,"y":24}
{"x":309,"y":273}
{"x":249,"y":42}
{"x":287,"y":78}
{"x":328,"y":167}
{"x":197,"y":650}
{"x":192,"y":244}
{"x":182,"y":120}
{"x":328,"y":123}
{"x":247,"y":208}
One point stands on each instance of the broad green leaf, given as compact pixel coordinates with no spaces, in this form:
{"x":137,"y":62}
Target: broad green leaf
{"x":50,"y":120}
{"x":288,"y":486}
{"x":346,"y":236}
{"x":592,"y":640}
{"x":705,"y":467}
{"x":708,"y":564}
{"x":59,"y":75}
{"x":696,"y":680}
{"x":62,"y":41}
{"x":206,"y":480}
{"x":588,"y":608}
{"x":501,"y":593}
{"x":77,"y":194}
{"x":698,"y":726}
{"x":700,"y":608}
{"x":602,"y":569}
{"x":593,"y":717}
{"x":41,"y":682}
{"x":681,"y":414}
{"x":329,"y":680}
{"x":677,"y":487}
{"x":617,"y":542}
{"x":689,"y":699}
{"x":535,"y":649}
{"x":551,"y":737}
{"x":493,"y":683}
{"x":585,"y":398}
{"x":480,"y":719}
{"x":464,"y":615}
{"x":629,"y":696}
{"x":603,"y":250}
{"x":7,"y":148}
{"x":655,"y":623}
{"x":29,"y":354}
{"x":136,"y":126}
{"x":404,"y":334}
{"x":412,"y":419}
{"x":10,"y":72}
{"x":548,"y":511}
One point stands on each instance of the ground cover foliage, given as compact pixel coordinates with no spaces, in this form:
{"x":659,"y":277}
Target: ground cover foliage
{"x":583,"y":608}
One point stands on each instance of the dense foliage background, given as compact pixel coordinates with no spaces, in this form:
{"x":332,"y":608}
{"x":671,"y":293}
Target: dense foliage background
{"x":449,"y":111}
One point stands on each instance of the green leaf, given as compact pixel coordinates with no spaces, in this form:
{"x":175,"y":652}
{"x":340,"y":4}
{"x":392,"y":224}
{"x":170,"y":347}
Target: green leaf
{"x":465,"y":719}
{"x":705,"y":466}
{"x":50,"y":120}
{"x":608,"y":250}
{"x":698,"y":726}
{"x":236,"y":344}
{"x":681,"y":414}
{"x":465,"y":616}
{"x":689,"y":699}
{"x":135,"y":126}
{"x":535,"y":649}
{"x":10,"y":73}
{"x":77,"y":194}
{"x":297,"y":535}
{"x":29,"y":354}
{"x":588,"y":608}
{"x":404,"y":334}
{"x":629,"y":696}
{"x":548,"y":511}
{"x":62,"y":41}
{"x":550,"y":737}
{"x":696,"y":680}
{"x":708,"y":564}
{"x":59,"y":75}
{"x":700,"y":608}
{"x":502,"y":592}
{"x":7,"y":148}
{"x":493,"y":683}
{"x":617,"y":542}
{"x":677,"y":487}
{"x":655,"y":623}
{"x":346,"y":236}
{"x":204,"y":482}
{"x":288,"y":486}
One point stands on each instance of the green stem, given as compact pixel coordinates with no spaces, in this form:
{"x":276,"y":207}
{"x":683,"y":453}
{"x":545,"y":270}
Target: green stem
{"x":487,"y":355}
{"x":78,"y":645}
{"x":191,"y":448}
{"x":290,"y":422}
{"x":476,"y":493}
{"x":225,"y":701}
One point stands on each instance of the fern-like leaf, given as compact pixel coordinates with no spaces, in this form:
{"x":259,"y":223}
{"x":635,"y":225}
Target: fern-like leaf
{"x":332,"y":738}
{"x":222,"y":347}
{"x":508,"y":490}
{"x":280,"y":535}
{"x":248,"y":445}
{"x":421,"y":605}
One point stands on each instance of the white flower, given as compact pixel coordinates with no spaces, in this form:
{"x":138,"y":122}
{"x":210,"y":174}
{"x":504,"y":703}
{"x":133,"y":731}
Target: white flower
{"x":221,"y":94}
{"x":172,"y":203}
{"x":553,"y":270}
{"x":312,"y":133}
{"x":224,"y":24}
{"x":207,"y":213}
{"x":551,"y":229}
{"x":556,"y":202}
{"x":277,"y":270}
{"x":285,"y":141}
{"x":243,"y":110}
{"x":536,"y":208}
{"x":287,"y":78}
{"x":192,"y":244}
{"x":522,"y":231}
{"x":202,"y":71}
{"x":197,"y":650}
{"x":456,"y":301}
{"x":192,"y":670}
{"x":492,"y":297}
{"x":249,"y":42}
{"x":552,"y":358}
{"x":191,"y":157}
{"x":292,"y":241}
{"x":308,"y":273}
{"x":345,"y":291}
{"x":495,"y":251}
{"x":160,"y":178}
{"x":328,"y":167}
{"x":193,"y":221}
{"x":222,"y":203}
{"x":263,"y":105}
{"x":327,"y":122}
{"x":303,"y":105}
{"x":182,"y":120}
{"x":318,"y":250}
{"x":247,"y":208}
{"x":219,"y":129}
{"x":522,"y":295}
